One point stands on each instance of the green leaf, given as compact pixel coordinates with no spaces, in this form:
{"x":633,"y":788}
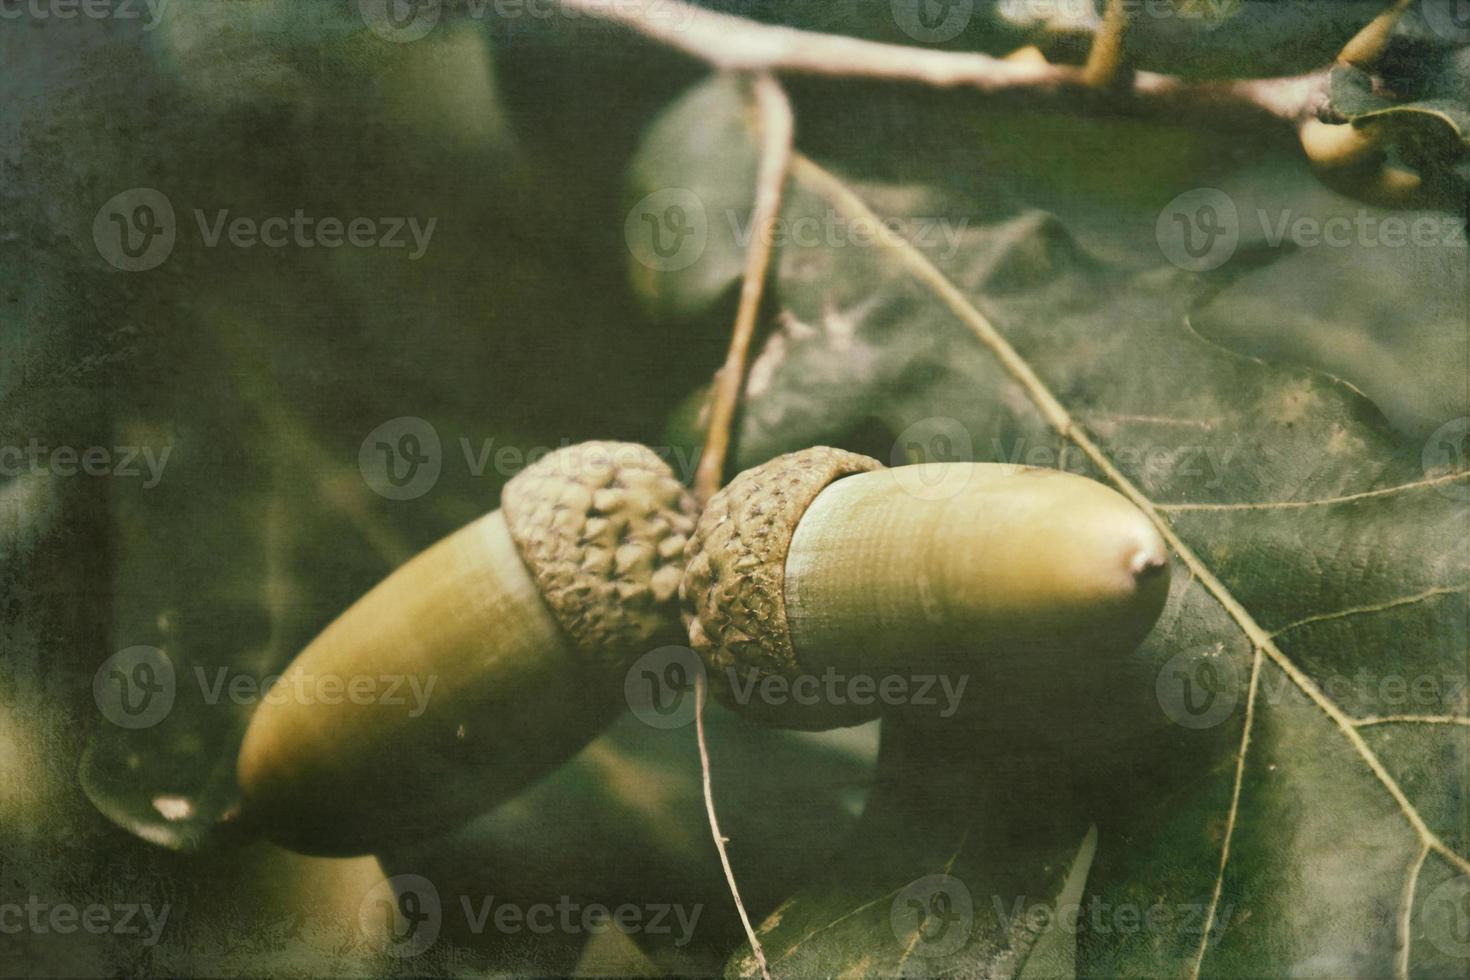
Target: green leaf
{"x":1436,"y":87}
{"x":1277,"y":776}
{"x":664,"y":282}
{"x":1424,"y":70}
{"x":1419,"y":98}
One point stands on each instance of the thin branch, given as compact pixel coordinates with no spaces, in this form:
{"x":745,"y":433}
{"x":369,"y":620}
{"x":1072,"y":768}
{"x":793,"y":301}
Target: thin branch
{"x":1105,"y":58}
{"x":735,"y":43}
{"x":700,"y":690}
{"x":775,"y":121}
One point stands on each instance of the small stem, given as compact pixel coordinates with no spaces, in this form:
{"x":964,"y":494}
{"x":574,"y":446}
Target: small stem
{"x":1105,"y":59}
{"x":700,"y":690}
{"x":773,"y":112}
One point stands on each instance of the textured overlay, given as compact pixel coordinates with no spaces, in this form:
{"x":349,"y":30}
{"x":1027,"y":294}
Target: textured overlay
{"x":734,"y":601}
{"x":602,"y":526}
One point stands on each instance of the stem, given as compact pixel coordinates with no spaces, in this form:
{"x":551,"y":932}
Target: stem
{"x":775,"y":122}
{"x":700,"y":691}
{"x":735,"y":43}
{"x":1105,"y":59}
{"x":776,"y":125}
{"x":1368,"y":45}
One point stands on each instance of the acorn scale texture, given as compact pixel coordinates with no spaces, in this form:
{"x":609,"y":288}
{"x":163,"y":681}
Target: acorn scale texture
{"x":735,"y":575}
{"x":602,"y":526}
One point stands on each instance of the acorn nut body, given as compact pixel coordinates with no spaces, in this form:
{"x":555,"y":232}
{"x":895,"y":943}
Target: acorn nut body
{"x":823,"y":564}
{"x":481,"y":664}
{"x":1353,"y":160}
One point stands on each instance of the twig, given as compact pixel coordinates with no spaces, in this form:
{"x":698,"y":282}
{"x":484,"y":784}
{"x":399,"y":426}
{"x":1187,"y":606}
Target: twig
{"x":1367,"y":46}
{"x":1105,"y":59}
{"x":700,"y":690}
{"x":773,"y":111}
{"x":735,"y":43}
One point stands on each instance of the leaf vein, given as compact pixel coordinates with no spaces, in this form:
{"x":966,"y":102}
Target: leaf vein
{"x":1371,"y":608}
{"x":1245,"y":741}
{"x":1406,"y":911}
{"x":1320,"y":502}
{"x":840,"y":919}
{"x":1411,"y":720}
{"x":948,"y":867}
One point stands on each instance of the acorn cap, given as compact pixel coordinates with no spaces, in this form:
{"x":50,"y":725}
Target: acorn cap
{"x":734,"y":582}
{"x":602,"y":528}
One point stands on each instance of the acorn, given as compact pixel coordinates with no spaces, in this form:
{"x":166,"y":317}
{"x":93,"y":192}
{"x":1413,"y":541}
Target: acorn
{"x":1353,"y":160}
{"x":823,"y":566}
{"x":479,"y":665}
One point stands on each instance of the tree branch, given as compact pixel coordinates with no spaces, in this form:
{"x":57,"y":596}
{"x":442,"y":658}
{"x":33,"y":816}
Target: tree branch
{"x":735,"y":43}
